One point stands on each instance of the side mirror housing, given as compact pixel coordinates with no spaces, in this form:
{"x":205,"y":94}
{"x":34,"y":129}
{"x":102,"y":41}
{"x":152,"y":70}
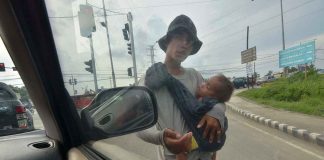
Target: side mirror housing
{"x":119,"y":111}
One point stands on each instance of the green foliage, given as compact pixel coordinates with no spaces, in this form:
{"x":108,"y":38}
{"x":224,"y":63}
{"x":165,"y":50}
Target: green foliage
{"x":22,"y":91}
{"x":295,"y":93}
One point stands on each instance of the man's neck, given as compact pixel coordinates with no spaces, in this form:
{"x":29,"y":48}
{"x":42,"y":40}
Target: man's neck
{"x":174,"y":68}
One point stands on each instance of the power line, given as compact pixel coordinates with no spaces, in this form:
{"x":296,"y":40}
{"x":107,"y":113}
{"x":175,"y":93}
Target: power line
{"x":266,"y":30}
{"x":73,"y":16}
{"x":224,"y":16}
{"x":165,"y":5}
{"x":260,"y":60}
{"x":288,"y":10}
{"x":120,"y":13}
{"x":258,"y":23}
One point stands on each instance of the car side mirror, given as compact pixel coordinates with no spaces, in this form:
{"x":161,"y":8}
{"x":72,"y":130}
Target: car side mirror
{"x":119,"y":111}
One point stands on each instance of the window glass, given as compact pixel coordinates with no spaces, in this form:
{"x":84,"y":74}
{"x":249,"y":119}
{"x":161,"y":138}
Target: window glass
{"x":271,"y":51}
{"x":17,"y":111}
{"x":5,"y":95}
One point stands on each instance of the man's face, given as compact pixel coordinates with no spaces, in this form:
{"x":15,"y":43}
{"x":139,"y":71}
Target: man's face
{"x":180,"y":46}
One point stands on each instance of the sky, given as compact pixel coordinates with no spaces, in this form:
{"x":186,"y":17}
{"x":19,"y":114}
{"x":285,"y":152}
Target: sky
{"x":221,"y":25}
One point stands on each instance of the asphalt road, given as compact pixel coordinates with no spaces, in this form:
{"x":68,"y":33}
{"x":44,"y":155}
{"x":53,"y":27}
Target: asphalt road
{"x":37,"y":121}
{"x":246,"y":140}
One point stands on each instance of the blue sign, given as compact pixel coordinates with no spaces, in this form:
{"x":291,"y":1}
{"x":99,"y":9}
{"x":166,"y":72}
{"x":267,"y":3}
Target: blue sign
{"x":302,"y":54}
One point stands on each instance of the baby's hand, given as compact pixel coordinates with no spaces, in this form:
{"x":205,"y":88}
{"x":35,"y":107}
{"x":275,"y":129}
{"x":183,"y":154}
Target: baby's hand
{"x":212,"y":127}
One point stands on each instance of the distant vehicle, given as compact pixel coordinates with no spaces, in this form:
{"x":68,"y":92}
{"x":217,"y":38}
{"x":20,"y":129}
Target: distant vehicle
{"x":28,"y":104}
{"x":320,"y":71}
{"x":261,"y":81}
{"x":14,"y":117}
{"x":266,"y":79}
{"x":240,"y":82}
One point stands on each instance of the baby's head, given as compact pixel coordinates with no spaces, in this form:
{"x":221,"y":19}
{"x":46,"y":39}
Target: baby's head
{"x":218,"y":87}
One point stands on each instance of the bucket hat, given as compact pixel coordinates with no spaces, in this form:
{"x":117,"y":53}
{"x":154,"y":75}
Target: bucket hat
{"x":182,"y":22}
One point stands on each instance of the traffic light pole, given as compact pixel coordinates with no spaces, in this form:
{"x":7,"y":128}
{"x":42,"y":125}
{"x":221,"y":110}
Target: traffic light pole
{"x":73,"y":85}
{"x":130,"y":19}
{"x":108,"y":39}
{"x":93,"y":64}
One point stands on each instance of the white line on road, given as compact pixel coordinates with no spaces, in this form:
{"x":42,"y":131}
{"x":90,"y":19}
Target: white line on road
{"x":278,"y":138}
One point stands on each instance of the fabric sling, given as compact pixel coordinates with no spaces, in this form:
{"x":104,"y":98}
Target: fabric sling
{"x":191,"y":109}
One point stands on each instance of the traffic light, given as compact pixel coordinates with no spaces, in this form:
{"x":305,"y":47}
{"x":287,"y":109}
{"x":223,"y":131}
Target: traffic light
{"x":125,"y":32}
{"x":89,"y":63}
{"x":129,"y":71}
{"x":73,"y":81}
{"x":129,"y":48}
{"x":2,"y":67}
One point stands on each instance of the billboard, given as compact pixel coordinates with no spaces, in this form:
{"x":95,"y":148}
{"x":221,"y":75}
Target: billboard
{"x":302,"y":54}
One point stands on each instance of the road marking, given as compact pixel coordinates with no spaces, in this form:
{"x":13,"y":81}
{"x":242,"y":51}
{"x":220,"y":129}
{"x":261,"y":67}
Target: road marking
{"x":278,"y":138}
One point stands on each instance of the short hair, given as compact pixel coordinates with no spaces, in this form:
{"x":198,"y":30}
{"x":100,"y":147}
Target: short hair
{"x":226,"y":89}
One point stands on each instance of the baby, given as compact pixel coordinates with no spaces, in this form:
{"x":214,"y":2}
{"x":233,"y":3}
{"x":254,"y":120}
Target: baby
{"x":217,"y":87}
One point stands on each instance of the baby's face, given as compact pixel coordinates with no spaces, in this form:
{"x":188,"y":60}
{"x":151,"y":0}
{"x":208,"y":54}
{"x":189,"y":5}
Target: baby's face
{"x":209,"y":88}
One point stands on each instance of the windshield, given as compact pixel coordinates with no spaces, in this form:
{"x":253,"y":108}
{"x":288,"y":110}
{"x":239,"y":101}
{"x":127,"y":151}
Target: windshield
{"x":272,"y":51}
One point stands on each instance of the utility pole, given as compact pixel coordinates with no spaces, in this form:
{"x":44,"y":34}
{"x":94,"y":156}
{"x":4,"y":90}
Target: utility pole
{"x":282,"y":27}
{"x":151,"y":48}
{"x":73,"y":82}
{"x":93,"y":63}
{"x":130,"y":19}
{"x":247,"y":64}
{"x":73,"y":85}
{"x":283,"y":35}
{"x":108,"y":39}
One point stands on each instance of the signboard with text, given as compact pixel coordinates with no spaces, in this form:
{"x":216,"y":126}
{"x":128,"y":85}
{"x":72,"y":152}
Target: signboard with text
{"x":248,"y":55}
{"x":302,"y":54}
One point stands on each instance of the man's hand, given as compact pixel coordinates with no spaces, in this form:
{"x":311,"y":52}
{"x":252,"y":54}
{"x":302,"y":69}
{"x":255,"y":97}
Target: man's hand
{"x":175,"y":142}
{"x":212,"y":128}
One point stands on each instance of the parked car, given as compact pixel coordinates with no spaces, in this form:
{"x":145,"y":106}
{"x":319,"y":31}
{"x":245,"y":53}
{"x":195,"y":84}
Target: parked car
{"x":14,"y":117}
{"x":240,"y":82}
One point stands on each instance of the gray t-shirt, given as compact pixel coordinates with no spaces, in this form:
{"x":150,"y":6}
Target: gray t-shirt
{"x":169,"y":116}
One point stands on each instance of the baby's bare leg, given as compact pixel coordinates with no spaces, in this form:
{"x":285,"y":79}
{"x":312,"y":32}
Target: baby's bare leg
{"x":181,"y":156}
{"x":214,"y":156}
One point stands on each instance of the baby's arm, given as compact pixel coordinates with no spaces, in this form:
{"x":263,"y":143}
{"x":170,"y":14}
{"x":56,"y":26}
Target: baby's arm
{"x":218,"y":112}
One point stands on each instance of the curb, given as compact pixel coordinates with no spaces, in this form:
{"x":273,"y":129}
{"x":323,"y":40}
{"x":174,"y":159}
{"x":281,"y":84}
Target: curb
{"x":291,"y":130}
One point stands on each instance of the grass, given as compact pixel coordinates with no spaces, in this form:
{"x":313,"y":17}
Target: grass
{"x":294,"y":94}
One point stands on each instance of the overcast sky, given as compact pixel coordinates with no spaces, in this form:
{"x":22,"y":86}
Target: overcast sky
{"x":221,"y":25}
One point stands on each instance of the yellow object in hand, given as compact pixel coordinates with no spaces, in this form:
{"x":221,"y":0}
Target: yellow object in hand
{"x":194,"y":144}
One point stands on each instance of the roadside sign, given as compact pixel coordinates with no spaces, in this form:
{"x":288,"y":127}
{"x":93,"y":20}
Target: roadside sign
{"x":248,"y":55}
{"x":302,"y":54}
